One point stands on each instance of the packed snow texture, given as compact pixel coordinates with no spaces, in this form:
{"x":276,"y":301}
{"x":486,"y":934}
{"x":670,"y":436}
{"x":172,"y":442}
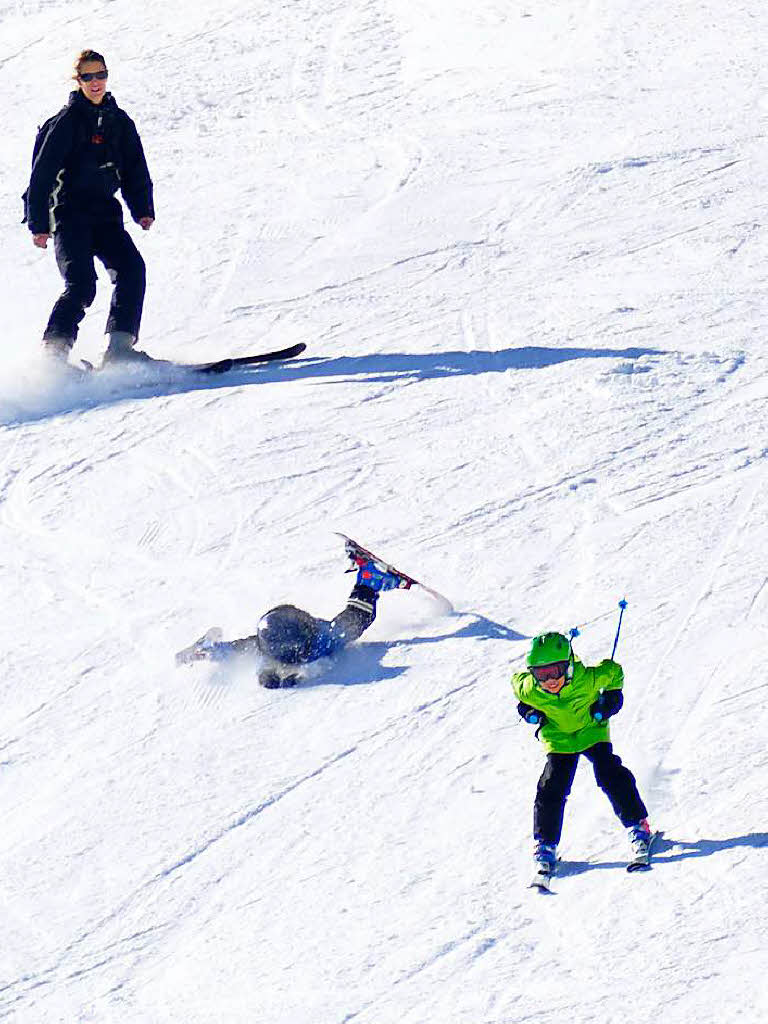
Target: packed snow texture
{"x":525,"y":246}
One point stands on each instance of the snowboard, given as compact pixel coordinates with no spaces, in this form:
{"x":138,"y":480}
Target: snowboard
{"x":358,"y":554}
{"x":218,"y":366}
{"x":225,"y":365}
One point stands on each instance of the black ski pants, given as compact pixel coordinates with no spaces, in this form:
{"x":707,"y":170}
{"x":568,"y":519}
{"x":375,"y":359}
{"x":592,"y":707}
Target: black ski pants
{"x":614,"y":778}
{"x":77,"y":241}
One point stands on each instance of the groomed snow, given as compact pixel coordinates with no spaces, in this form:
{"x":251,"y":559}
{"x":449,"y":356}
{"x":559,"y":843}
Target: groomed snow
{"x":525,"y":246}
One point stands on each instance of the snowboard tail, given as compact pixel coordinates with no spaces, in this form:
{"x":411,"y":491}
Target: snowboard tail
{"x":225,"y":365}
{"x":357,"y":551}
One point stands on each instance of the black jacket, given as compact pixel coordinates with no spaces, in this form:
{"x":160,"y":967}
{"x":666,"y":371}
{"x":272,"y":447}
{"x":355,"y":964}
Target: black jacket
{"x":83,"y":155}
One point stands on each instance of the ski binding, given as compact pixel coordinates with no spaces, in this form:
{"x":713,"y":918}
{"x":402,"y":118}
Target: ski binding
{"x":357,"y":554}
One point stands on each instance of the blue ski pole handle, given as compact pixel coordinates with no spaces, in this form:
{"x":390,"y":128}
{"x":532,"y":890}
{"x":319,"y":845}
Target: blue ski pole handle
{"x":622,"y":606}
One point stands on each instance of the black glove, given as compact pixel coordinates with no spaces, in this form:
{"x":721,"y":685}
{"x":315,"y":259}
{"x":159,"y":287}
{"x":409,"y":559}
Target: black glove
{"x":269,"y":679}
{"x":608,"y":703}
{"x":531,"y":715}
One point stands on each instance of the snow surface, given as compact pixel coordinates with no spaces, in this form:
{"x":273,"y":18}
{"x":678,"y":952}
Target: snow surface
{"x":525,"y":246}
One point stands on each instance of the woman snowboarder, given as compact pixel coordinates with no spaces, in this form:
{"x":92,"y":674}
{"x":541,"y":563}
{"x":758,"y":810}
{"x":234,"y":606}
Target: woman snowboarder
{"x":82,"y":156}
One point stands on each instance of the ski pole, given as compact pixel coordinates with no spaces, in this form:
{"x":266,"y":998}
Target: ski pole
{"x":622,"y":606}
{"x":576,"y":631}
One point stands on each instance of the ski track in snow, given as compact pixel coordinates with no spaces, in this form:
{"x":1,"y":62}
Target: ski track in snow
{"x":524,"y":251}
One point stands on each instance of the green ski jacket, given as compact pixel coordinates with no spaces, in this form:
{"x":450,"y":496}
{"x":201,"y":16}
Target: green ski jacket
{"x":569,"y":728}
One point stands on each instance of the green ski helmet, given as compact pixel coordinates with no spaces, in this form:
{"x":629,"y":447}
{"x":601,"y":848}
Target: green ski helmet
{"x":547,"y":648}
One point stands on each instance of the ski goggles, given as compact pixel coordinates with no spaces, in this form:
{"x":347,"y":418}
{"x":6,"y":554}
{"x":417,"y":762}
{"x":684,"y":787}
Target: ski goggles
{"x":88,"y":76}
{"x":544,"y":673}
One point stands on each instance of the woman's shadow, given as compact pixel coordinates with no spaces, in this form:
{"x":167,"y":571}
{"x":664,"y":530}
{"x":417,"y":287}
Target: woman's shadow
{"x":166,"y":378}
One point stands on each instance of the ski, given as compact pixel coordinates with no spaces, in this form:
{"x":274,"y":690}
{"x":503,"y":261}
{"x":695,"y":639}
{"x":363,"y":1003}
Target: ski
{"x":196,"y":651}
{"x":358,"y":553}
{"x":542,"y":880}
{"x":642,"y":862}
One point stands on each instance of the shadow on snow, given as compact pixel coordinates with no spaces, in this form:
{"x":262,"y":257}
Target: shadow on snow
{"x":667,"y":850}
{"x":100,"y":391}
{"x":479,"y":628}
{"x":360,"y":664}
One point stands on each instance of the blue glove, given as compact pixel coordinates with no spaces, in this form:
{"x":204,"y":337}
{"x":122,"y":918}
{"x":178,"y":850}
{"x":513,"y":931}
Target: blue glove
{"x":208,"y":647}
{"x":608,"y":703}
{"x":212,"y":651}
{"x":370,"y":575}
{"x":531,"y":715}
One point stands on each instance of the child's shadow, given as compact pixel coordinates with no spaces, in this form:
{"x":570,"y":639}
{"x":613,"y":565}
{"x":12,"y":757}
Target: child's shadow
{"x":667,"y":850}
{"x":678,"y":849}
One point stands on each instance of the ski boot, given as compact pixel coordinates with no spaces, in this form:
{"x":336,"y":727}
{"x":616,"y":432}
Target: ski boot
{"x":56,"y":349}
{"x":639,"y":836}
{"x":544,"y":864}
{"x":121,"y":351}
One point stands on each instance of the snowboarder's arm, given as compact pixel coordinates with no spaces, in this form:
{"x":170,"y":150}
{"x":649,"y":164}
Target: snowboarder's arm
{"x":246,"y":645}
{"x":136,"y":184}
{"x":218,"y":650}
{"x":50,"y":159}
{"x":211,"y":648}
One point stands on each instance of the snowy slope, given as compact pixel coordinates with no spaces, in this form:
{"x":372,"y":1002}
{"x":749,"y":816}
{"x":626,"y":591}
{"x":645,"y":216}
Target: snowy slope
{"x":525,"y":247}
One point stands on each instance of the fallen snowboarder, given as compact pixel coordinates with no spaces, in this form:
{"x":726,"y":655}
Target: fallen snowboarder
{"x":288,"y":637}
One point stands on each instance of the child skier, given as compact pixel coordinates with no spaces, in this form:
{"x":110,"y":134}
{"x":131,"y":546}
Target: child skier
{"x":287,"y":637}
{"x":571,"y":704}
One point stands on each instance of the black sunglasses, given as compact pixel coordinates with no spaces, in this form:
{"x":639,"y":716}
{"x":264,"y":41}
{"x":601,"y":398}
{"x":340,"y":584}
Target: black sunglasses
{"x":87,"y":76}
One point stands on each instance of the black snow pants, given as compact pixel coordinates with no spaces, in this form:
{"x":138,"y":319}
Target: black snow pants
{"x":77,"y":241}
{"x":614,"y":778}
